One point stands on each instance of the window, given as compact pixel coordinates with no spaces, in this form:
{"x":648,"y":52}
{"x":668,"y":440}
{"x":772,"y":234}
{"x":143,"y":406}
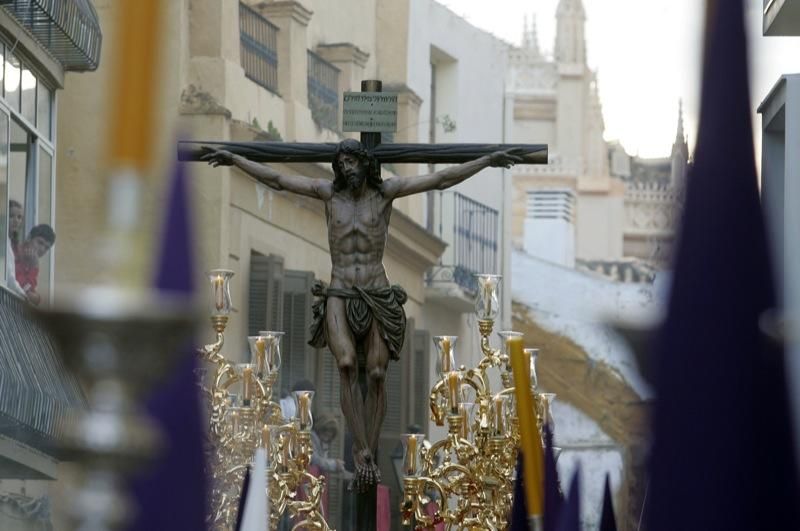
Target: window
{"x":259,"y":48}
{"x":26,"y":168}
{"x":323,"y":91}
{"x":4,"y":210}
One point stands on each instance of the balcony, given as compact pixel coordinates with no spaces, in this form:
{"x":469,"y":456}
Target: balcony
{"x":471,"y":230}
{"x":36,"y":393}
{"x":68,"y":29}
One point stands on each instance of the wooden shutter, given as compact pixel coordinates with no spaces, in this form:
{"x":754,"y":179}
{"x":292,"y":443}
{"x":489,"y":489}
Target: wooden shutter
{"x":327,"y":399}
{"x":396,"y":420}
{"x":264,"y":309}
{"x":421,"y":387}
{"x":298,"y":357}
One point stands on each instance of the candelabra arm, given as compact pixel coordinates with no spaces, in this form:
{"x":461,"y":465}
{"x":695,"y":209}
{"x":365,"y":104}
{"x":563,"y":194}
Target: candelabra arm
{"x":436,"y":413}
{"x":420,"y":515}
{"x":212,"y":351}
{"x":477,"y":380}
{"x":223,"y":371}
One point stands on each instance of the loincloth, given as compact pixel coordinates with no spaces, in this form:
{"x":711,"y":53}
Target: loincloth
{"x":384,"y":305}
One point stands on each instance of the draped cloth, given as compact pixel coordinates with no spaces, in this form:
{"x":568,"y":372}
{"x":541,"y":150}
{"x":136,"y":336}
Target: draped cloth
{"x":362,"y":305}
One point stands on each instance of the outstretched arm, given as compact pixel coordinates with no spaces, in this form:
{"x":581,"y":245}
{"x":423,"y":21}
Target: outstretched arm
{"x":442,"y":179}
{"x":316,"y":188}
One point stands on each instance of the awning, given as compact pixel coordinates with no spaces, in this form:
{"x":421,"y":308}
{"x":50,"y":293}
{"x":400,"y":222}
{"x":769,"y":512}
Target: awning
{"x":68,"y":29}
{"x":36,"y":391}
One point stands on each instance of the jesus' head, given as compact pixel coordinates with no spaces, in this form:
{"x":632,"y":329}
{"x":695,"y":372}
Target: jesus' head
{"x":353,"y":164}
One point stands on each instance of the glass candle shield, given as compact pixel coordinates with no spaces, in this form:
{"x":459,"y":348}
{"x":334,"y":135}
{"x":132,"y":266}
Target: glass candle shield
{"x":246,"y":387}
{"x":533,"y":353}
{"x":302,"y":400}
{"x":501,"y":414}
{"x":546,"y":410}
{"x":272,"y":339}
{"x":445,"y":354}
{"x":454,"y":391}
{"x":220,"y":291}
{"x":487,"y":303}
{"x":412,"y":461}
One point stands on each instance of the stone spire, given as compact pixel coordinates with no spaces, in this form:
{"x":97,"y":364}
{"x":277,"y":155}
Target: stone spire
{"x":680,"y":152}
{"x":680,"y":136}
{"x":570,"y":39}
{"x":530,"y":37}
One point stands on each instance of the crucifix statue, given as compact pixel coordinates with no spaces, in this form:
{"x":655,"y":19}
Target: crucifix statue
{"x":360,"y":311}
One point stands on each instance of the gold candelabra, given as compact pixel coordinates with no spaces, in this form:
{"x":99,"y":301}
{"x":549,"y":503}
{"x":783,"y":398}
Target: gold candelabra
{"x":243,"y":416}
{"x":471,"y":471}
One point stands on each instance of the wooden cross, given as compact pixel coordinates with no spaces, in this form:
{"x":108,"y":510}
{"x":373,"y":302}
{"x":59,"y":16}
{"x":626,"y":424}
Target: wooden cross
{"x":384,"y":153}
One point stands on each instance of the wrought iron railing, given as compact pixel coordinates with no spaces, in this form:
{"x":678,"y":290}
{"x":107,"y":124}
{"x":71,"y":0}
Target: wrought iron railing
{"x":36,"y":391}
{"x":259,"y":48}
{"x":471,"y":228}
{"x":323,"y":91}
{"x":69,"y":29}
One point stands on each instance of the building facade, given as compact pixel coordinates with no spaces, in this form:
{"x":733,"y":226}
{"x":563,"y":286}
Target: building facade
{"x":40,"y":45}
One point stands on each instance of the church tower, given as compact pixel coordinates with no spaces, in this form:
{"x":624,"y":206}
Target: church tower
{"x":680,"y":153}
{"x":574,"y":80}
{"x":570,"y":40}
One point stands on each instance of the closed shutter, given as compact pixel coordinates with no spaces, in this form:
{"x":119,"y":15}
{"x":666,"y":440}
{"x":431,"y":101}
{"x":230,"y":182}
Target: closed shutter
{"x":421,"y":388}
{"x":297,"y":356}
{"x":265,"y":292}
{"x":327,"y":399}
{"x":396,"y":420}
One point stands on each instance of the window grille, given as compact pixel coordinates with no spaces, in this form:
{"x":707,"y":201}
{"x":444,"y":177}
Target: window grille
{"x":259,"y":48}
{"x":323,"y":91}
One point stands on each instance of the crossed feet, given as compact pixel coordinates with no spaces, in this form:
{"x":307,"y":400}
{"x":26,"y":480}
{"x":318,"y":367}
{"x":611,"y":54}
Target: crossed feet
{"x":367,"y":473}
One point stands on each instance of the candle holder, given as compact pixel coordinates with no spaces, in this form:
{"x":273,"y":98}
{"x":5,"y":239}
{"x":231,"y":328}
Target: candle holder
{"x":472,"y":468}
{"x":118,"y":343}
{"x":244,"y":416}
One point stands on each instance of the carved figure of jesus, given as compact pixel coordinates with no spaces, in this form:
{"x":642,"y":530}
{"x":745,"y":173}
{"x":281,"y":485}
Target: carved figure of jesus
{"x":360,"y":309}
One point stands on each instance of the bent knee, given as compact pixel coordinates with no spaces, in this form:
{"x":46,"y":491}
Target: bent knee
{"x":346,"y":364}
{"x":377,"y":375}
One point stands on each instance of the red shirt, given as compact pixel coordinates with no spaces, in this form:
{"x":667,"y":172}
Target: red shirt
{"x":27,"y":273}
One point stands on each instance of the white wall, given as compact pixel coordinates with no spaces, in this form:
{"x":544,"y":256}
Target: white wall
{"x":600,"y":223}
{"x":585,"y":445}
{"x":576,"y":305}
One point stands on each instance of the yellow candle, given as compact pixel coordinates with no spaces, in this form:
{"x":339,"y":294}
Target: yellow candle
{"x":454,"y":386}
{"x":261,"y":356}
{"x":219,"y":295}
{"x":303,"y":409}
{"x":134,"y":101}
{"x":499,"y":417}
{"x":235,"y":422}
{"x":247,"y":375}
{"x":533,"y":466}
{"x":462,"y":409}
{"x":411,"y":456}
{"x":487,"y":294}
{"x":446,"y":365}
{"x":286,"y":448}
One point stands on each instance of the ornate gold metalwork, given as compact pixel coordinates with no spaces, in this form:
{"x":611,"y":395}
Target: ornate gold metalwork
{"x":241,"y":422}
{"x":471,"y":471}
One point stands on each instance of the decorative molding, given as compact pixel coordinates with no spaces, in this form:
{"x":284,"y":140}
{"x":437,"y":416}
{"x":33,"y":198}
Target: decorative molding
{"x":343,"y":52}
{"x":285,"y":9}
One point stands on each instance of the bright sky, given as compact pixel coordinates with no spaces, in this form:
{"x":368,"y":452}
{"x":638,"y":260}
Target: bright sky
{"x":647,"y":54}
